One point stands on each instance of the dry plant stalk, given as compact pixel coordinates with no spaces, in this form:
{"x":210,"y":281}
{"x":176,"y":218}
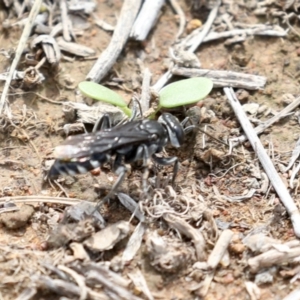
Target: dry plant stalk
{"x":222,"y":78}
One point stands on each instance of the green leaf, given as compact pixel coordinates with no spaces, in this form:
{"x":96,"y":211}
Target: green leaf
{"x":185,"y":92}
{"x":99,"y":92}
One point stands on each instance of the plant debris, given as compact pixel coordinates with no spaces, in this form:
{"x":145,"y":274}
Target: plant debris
{"x":229,"y":226}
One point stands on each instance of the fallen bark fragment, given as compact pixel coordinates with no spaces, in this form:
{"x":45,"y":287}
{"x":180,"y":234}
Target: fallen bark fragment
{"x":134,"y":243}
{"x":91,"y":114}
{"x":140,"y":283}
{"x":183,"y":227}
{"x":108,"y":237}
{"x":168,"y":254}
{"x":132,"y":206}
{"x":50,"y":47}
{"x":260,"y":242}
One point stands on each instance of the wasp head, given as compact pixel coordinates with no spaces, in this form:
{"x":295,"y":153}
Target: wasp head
{"x":174,"y":128}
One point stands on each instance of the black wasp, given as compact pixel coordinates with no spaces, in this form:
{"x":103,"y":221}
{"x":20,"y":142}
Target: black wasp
{"x":127,"y":143}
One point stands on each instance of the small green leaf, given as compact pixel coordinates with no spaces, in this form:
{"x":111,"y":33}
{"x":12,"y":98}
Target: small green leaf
{"x":99,"y":92}
{"x":185,"y":92}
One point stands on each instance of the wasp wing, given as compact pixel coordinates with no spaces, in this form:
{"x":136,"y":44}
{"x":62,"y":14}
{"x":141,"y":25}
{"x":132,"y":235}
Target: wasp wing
{"x":104,"y":141}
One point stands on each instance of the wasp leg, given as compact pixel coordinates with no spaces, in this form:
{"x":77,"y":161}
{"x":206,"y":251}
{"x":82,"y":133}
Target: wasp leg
{"x":121,"y":171}
{"x":136,"y":109}
{"x":146,"y":162}
{"x":102,"y":123}
{"x":165,"y":161}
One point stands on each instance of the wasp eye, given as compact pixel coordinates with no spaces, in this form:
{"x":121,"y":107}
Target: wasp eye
{"x":154,"y":137}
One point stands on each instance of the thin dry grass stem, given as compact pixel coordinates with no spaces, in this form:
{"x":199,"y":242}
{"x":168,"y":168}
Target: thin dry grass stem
{"x":37,"y":94}
{"x":295,"y":155}
{"x":170,"y":203}
{"x":43,"y":199}
{"x":198,"y":39}
{"x":227,"y":171}
{"x":182,"y":20}
{"x":61,"y":188}
{"x":24,"y":133}
{"x":263,"y":126}
{"x":19,"y":51}
{"x":192,"y":47}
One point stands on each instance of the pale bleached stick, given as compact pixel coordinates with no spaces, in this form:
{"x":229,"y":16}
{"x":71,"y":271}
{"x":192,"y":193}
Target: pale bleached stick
{"x":262,"y":127}
{"x":196,"y":43}
{"x":222,"y":78}
{"x":294,"y":295}
{"x":66,"y":22}
{"x":198,"y":39}
{"x":220,"y":248}
{"x":214,"y":259}
{"x":265,"y":160}
{"x":22,"y":44}
{"x":121,"y":33}
{"x":146,"y":19}
{"x":43,"y":199}
{"x":273,"y":257}
{"x":146,"y":93}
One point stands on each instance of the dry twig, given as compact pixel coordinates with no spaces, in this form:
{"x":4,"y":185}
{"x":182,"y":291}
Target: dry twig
{"x":214,"y":259}
{"x":146,"y":19}
{"x":294,"y":295}
{"x":180,"y":13}
{"x":168,"y":75}
{"x":222,"y":78}
{"x":43,"y":199}
{"x":121,"y":33}
{"x":263,"y":126}
{"x":265,"y":160}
